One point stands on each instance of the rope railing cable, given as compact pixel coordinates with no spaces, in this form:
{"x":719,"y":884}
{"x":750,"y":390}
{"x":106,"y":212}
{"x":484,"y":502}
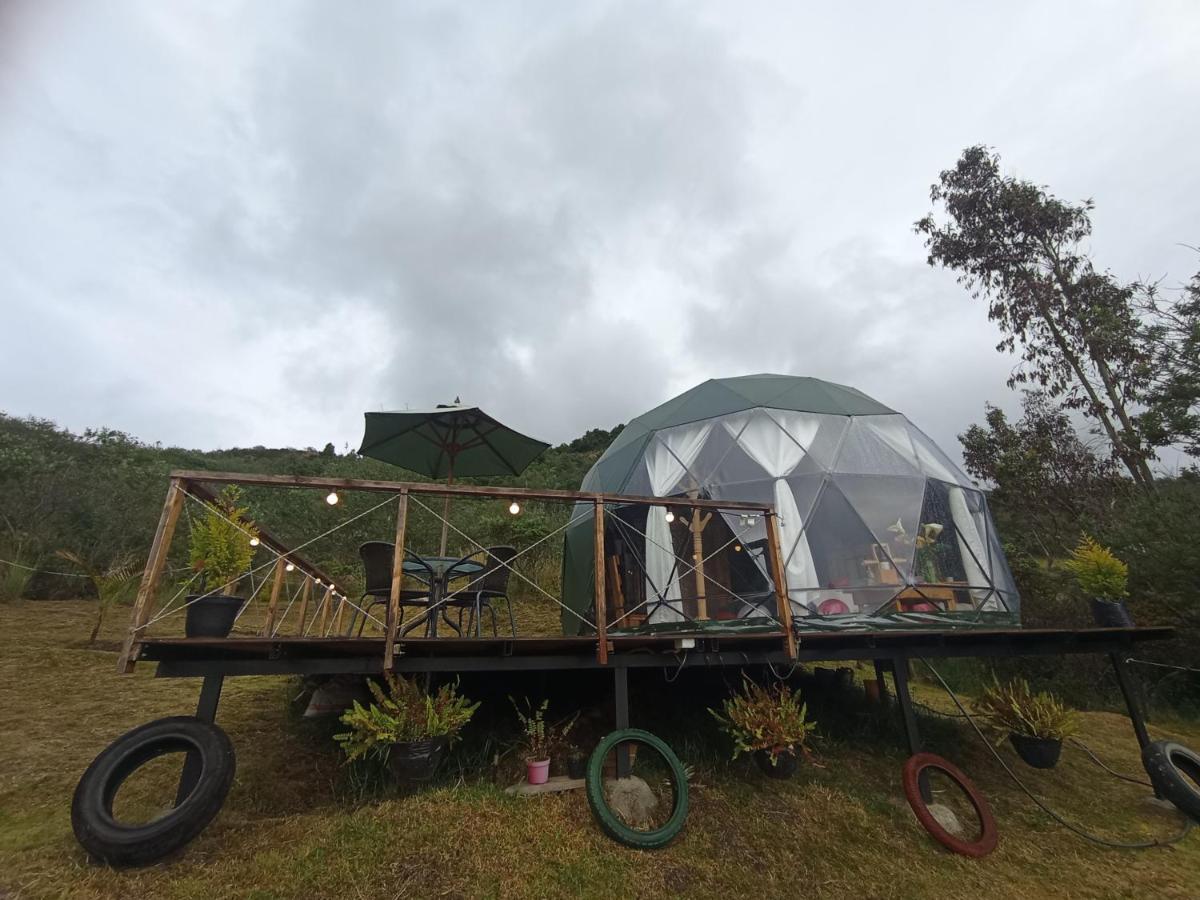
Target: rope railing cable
{"x":1159,"y":665}
{"x":287,"y":609}
{"x":479,"y":546}
{"x":692,"y":568}
{"x":1070,"y":826}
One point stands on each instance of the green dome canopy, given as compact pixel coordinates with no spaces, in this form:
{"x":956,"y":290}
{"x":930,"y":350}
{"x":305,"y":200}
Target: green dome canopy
{"x":878,"y":527}
{"x":723,"y":396}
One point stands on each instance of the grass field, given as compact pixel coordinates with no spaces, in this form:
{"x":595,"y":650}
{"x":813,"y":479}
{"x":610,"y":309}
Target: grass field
{"x":293,"y":825}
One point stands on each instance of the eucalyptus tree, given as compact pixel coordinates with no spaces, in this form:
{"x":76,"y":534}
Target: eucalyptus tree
{"x":1077,"y":330}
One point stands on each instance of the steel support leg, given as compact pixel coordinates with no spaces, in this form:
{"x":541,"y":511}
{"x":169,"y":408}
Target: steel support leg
{"x":621,"y":696}
{"x":880,"y":672}
{"x":908,"y":716}
{"x":1129,"y":692}
{"x":206,"y":711}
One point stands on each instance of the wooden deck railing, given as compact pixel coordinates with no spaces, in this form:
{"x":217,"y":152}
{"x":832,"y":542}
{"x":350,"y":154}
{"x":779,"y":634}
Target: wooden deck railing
{"x":196,"y":483}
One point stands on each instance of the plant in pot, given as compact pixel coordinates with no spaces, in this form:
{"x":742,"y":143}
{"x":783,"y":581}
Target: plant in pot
{"x":1036,"y":724}
{"x":1103,"y":578}
{"x":405,"y":727}
{"x":536,"y":740}
{"x":769,"y":722}
{"x":220,"y":550}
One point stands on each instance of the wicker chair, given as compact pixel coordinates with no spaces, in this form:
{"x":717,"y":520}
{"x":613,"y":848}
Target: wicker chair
{"x":378,"y":557}
{"x":482,"y":588}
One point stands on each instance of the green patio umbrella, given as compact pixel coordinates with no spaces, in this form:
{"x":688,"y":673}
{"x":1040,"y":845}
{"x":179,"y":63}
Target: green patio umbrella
{"x":448,"y":441}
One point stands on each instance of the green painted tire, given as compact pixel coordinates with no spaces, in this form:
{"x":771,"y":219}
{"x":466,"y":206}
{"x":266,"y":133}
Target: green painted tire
{"x":608,"y":820}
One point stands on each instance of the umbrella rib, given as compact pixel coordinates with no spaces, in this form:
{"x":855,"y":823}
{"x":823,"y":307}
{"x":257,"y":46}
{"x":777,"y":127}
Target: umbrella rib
{"x":499,"y":455}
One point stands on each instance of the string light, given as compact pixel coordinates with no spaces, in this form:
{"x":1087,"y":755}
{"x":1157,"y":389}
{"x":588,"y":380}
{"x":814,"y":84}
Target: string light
{"x":291,"y":567}
{"x":332,"y":498}
{"x":737,"y":548}
{"x":670,"y":516}
{"x":514,"y":507}
{"x":254,"y":542}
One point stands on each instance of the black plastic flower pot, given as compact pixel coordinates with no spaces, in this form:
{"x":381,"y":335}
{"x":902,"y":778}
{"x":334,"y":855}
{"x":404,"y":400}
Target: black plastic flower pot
{"x":576,"y":766}
{"x":1111,"y":614}
{"x":784,"y":766}
{"x":1041,"y":753}
{"x":211,"y":616}
{"x":417,"y":761}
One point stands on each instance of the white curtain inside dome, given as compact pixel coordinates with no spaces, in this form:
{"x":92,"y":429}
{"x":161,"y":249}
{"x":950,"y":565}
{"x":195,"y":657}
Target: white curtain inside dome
{"x":778,"y":442}
{"x":668,"y":456}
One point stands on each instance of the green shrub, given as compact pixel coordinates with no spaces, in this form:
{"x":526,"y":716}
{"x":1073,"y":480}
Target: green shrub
{"x":1013,"y":708}
{"x":759,"y":718}
{"x":220,"y":548}
{"x":402,"y":713}
{"x":1099,"y":573}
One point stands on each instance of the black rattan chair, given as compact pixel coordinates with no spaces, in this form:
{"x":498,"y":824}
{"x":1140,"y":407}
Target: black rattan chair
{"x":378,"y":557}
{"x":484,"y":587}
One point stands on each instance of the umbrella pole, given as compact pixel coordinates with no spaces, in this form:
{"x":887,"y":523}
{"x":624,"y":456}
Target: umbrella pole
{"x":446,"y":511}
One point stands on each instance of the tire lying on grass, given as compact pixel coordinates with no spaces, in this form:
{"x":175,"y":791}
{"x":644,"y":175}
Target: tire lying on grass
{"x":123,"y":844}
{"x":918,"y":763}
{"x":608,"y":820}
{"x":1174,"y":771}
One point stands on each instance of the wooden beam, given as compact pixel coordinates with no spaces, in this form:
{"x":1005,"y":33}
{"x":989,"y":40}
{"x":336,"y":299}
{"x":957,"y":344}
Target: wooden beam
{"x":161,"y":545}
{"x":305,"y":596}
{"x":393,"y":610}
{"x":276,"y":587}
{"x":454,"y":490}
{"x":601,"y":601}
{"x":780,"y":579}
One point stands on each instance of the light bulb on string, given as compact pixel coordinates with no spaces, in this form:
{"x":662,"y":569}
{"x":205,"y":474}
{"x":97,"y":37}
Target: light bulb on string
{"x":332,"y":498}
{"x":291,"y":567}
{"x":254,"y":542}
{"x":670,"y":516}
{"x":514,"y":507}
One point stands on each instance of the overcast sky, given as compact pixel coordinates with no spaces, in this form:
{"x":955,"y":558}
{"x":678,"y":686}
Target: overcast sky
{"x":236,"y":223}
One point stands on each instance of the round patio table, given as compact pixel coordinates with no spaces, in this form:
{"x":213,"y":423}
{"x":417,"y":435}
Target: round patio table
{"x":437,"y":572}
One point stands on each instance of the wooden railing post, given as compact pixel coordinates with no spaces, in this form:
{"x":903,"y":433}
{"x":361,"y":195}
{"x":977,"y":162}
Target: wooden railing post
{"x":144,"y":604}
{"x":326,"y":602}
{"x":601,"y":599}
{"x":305,"y":596}
{"x":780,"y":579}
{"x":393,"y":609}
{"x":276,"y":587}
{"x":337,"y":619}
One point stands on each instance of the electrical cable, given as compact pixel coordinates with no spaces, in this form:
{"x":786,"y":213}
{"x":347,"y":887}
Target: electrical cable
{"x":1104,"y":842}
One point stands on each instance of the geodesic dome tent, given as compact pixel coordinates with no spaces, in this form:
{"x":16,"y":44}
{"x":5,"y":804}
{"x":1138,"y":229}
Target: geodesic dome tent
{"x":878,"y":527}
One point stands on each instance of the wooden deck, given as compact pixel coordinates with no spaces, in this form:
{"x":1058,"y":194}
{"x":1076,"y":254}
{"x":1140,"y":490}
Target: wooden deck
{"x":296,"y":655}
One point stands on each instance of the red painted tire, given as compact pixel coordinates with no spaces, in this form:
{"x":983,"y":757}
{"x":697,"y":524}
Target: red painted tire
{"x":986,"y":843}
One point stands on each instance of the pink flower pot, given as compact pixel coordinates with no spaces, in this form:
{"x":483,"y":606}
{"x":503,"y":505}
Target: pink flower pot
{"x":537,"y":771}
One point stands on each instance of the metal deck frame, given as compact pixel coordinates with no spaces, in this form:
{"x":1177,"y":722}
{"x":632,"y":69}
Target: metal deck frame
{"x":891,"y":651}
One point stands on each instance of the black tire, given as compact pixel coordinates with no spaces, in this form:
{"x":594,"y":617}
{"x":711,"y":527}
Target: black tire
{"x":607,"y":819}
{"x":1174,"y":771}
{"x":118,"y":844}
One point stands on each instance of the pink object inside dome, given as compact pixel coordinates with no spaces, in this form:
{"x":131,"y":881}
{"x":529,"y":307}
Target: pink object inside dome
{"x":832,"y":607}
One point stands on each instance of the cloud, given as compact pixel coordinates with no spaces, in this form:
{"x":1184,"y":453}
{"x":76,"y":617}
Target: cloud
{"x":234,"y":224}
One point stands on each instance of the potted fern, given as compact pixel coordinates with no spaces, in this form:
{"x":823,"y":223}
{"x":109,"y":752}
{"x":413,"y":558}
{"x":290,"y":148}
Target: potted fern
{"x":1036,"y":724}
{"x":1103,"y":578}
{"x":404,"y":727}
{"x":770,"y":723}
{"x":220,"y":550}
{"x":536,"y":742}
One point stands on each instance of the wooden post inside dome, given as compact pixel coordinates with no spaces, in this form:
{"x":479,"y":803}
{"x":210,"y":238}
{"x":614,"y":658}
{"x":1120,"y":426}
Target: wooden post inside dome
{"x":779,"y":577}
